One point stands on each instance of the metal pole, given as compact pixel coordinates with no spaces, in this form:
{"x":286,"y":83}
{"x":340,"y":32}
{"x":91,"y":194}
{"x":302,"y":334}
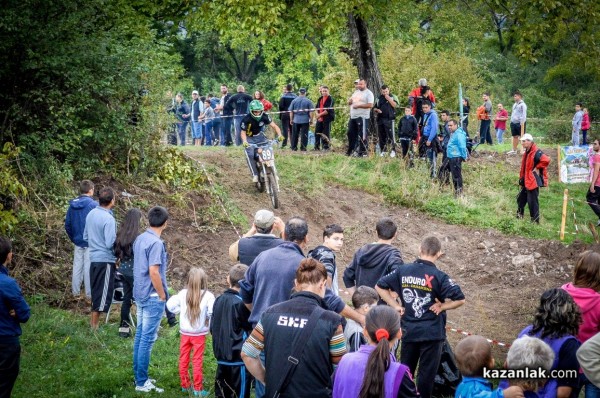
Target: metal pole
{"x":460,"y":103}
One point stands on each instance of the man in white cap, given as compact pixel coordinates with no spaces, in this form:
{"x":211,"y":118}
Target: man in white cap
{"x":533,"y":175}
{"x":260,"y":237}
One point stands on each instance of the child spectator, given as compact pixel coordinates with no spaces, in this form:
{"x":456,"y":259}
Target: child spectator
{"x":473,"y":354}
{"x":386,"y":377}
{"x":500,"y":122}
{"x":585,"y":125}
{"x":229,"y":328}
{"x":333,"y":240}
{"x":363,"y":299}
{"x":409,"y":130}
{"x":426,"y":292}
{"x":195,"y":306}
{"x":374,"y":260}
{"x":589,"y":359}
{"x":556,"y":323}
{"x":207,"y":118}
{"x":585,"y":290}
{"x":14,"y":310}
{"x":123,"y":249}
{"x":533,"y":353}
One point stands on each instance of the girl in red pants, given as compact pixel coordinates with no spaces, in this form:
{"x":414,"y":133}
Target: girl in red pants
{"x":195,"y":306}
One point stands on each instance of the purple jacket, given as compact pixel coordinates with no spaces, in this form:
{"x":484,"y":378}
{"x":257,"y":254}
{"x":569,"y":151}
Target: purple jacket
{"x":350,"y":373}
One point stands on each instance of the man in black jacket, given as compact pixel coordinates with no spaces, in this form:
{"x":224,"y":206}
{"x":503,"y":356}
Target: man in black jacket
{"x":284,"y":115}
{"x":229,"y":328}
{"x":385,"y":111}
{"x":324,"y":118}
{"x":374,"y":260}
{"x":408,"y":128}
{"x":426,"y":292}
{"x":239,"y":102}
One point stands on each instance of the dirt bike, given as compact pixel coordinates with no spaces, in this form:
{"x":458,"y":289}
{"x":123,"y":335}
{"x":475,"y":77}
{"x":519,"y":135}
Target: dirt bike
{"x":267,"y":172}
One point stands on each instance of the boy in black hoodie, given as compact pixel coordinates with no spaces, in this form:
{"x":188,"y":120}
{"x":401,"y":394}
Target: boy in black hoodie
{"x":229,"y":328}
{"x":374,"y":260}
{"x":333,"y":240}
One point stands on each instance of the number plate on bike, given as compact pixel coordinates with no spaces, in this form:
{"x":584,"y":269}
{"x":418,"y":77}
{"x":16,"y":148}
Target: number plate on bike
{"x":267,"y":154}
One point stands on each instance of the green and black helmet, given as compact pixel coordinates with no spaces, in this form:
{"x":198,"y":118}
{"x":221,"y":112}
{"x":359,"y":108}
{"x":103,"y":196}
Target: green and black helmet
{"x":256,"y":109}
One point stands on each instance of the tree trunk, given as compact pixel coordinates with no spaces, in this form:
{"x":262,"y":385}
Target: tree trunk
{"x":363,"y":54}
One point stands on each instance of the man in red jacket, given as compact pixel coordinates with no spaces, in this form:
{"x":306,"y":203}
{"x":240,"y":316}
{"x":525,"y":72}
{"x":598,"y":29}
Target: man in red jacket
{"x":532,"y":176}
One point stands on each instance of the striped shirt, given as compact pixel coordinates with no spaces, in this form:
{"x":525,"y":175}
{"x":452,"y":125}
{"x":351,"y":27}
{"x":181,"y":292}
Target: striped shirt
{"x":519,"y":112}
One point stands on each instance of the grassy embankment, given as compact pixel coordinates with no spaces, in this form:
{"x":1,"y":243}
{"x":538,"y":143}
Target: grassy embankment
{"x":489,"y":199}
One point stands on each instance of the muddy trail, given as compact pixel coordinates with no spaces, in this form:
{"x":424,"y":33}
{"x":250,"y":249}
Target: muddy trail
{"x":501,"y":276}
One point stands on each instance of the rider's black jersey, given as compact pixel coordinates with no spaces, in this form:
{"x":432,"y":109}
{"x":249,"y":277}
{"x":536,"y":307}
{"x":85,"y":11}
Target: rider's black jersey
{"x":254,"y":127}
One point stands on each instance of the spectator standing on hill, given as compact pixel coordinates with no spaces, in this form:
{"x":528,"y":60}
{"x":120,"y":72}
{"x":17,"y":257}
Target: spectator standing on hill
{"x":464,"y":123}
{"x":360,"y":103}
{"x":518,"y":121}
{"x":409,"y":129}
{"x":425,"y":293}
{"x":419,"y":92}
{"x":150,"y":294}
{"x":259,"y":238}
{"x":593,"y":194}
{"x":301,"y":113}
{"x":227,"y":114}
{"x":207,"y":117}
{"x":429,"y":137}
{"x":577,"y":120}
{"x":444,"y":133}
{"x":14,"y":310}
{"x":532,"y":176}
{"x":284,"y":115}
{"x":182,"y":112}
{"x":100,"y":232}
{"x":456,"y":153}
{"x":385,"y":112}
{"x":484,"y":127}
{"x":585,"y":125}
{"x":302,"y":341}
{"x":259,"y":95}
{"x":197,"y":109}
{"x":239,"y":102}
{"x":324,"y":118}
{"x":500,"y":123}
{"x":75,"y":225}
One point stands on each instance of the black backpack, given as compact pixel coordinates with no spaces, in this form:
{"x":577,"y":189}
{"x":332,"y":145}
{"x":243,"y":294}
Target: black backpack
{"x":539,"y":177}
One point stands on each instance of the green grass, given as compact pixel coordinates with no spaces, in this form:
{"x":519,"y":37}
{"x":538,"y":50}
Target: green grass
{"x":61,"y":357}
{"x":489,"y":199}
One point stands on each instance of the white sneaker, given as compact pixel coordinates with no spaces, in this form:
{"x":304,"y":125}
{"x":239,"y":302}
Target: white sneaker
{"x":254,"y":178}
{"x":511,"y":152}
{"x":148,"y":386}
{"x":382,"y":154}
{"x":393,"y":154}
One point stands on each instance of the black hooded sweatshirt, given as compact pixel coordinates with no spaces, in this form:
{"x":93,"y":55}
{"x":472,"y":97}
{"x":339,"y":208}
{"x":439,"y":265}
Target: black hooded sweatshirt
{"x":370,"y":263}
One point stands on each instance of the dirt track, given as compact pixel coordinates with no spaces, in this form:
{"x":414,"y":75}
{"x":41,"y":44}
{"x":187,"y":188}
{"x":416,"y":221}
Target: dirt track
{"x":500,"y":296}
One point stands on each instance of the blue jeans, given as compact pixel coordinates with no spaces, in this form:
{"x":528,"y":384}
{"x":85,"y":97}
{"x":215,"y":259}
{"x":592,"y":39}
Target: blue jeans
{"x":499,"y":135}
{"x":216,"y":125}
{"x":149,"y":314}
{"x":181,"y":128}
{"x":197,"y":130}
{"x":237,"y":120}
{"x":226,"y":131}
{"x":208,"y":137}
{"x":591,"y":391}
{"x":432,"y":157}
{"x":259,"y":388}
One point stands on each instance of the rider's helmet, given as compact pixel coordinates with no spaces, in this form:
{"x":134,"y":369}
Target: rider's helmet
{"x":256,"y":109}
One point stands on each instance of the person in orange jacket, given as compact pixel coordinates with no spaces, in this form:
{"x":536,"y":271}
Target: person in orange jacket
{"x":533,"y":175}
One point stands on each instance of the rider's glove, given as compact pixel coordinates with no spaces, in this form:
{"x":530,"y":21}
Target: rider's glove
{"x":280,"y":138}
{"x":245,"y":144}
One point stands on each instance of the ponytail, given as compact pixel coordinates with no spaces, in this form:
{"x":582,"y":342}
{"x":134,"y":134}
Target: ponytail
{"x":382,"y":322}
